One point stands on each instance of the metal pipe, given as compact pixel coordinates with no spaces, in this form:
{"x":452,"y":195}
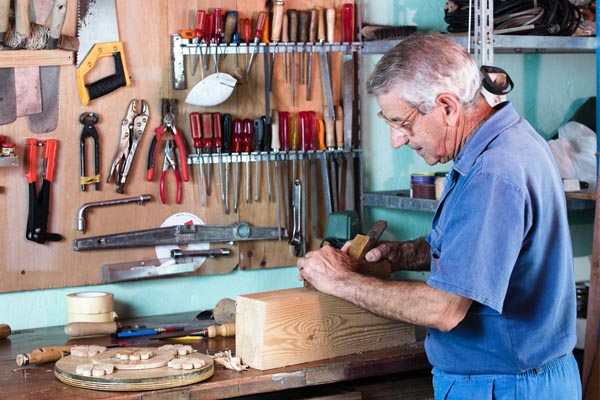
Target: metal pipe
{"x":80,"y":222}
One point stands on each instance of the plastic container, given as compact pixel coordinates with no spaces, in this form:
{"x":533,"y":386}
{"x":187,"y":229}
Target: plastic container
{"x":422,"y":185}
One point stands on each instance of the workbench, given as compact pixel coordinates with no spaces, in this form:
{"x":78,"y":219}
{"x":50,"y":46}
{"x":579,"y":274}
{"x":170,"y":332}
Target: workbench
{"x":38,"y":381}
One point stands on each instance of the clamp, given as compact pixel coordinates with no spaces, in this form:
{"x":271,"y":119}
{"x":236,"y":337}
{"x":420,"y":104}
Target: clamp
{"x":170,"y":162}
{"x":167,"y":127}
{"x":132,"y":129}
{"x":89,"y":120}
{"x":39,"y":205}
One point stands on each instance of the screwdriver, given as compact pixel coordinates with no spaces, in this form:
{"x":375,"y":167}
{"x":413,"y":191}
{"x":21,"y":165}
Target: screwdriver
{"x":208,"y":33}
{"x":207,"y":143}
{"x":293,"y":38}
{"x":259,"y":134}
{"x":285,"y":37}
{"x":260,"y":24}
{"x":218,"y":144}
{"x":347,"y":22}
{"x":312,"y":38}
{"x":225,"y":330}
{"x":275,"y":146}
{"x":293,"y":141}
{"x":227,"y":146}
{"x":197,"y":136}
{"x":198,"y":38}
{"x":217,"y":31}
{"x":246,"y":32}
{"x":284,"y":143}
{"x":247,"y":134}
{"x":236,"y":147}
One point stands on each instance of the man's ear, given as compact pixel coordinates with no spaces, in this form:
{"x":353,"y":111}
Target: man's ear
{"x":450,"y":107}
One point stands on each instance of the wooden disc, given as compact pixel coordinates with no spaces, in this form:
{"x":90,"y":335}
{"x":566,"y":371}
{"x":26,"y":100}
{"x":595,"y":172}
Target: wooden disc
{"x":132,"y":379}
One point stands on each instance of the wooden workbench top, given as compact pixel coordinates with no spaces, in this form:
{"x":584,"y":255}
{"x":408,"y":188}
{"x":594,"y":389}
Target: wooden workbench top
{"x":38,"y":381}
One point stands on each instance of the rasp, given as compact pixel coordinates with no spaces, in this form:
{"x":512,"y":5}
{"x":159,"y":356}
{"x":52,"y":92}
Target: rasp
{"x":98,"y":35}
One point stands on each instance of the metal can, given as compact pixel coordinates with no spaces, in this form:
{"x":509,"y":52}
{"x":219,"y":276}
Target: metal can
{"x":8,"y":149}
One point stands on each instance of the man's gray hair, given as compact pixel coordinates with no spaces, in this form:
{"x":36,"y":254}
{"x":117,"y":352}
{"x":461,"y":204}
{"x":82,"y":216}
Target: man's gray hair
{"x":422,"y":67}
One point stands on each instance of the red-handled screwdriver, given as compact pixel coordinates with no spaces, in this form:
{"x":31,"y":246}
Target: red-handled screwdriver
{"x":260,"y":24}
{"x":246,"y":147}
{"x":198,"y":38}
{"x":207,"y":144}
{"x":218,"y":145}
{"x":236,"y":147}
{"x":196,"y":129}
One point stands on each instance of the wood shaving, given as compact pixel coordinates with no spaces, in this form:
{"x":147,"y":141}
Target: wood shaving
{"x":225,"y":359}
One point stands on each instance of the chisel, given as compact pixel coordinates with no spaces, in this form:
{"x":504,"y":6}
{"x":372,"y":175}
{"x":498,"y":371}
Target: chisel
{"x":293,"y":38}
{"x":303,"y":21}
{"x":285,"y":38}
{"x":312,"y":38}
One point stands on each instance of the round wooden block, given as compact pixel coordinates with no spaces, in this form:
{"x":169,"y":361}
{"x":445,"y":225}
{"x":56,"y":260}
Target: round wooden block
{"x":132,"y":379}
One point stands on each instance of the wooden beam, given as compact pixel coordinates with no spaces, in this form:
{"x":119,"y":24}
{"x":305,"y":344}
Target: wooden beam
{"x":293,"y":326}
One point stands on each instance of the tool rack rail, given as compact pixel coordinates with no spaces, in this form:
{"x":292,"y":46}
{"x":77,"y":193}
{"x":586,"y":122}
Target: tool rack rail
{"x":291,"y":155}
{"x":38,"y":381}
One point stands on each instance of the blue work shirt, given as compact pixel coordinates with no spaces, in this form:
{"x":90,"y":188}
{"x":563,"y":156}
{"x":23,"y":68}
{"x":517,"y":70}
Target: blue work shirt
{"x":500,"y":236}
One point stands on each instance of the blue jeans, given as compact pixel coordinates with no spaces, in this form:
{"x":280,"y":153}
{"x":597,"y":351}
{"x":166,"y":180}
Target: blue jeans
{"x":557,"y":379}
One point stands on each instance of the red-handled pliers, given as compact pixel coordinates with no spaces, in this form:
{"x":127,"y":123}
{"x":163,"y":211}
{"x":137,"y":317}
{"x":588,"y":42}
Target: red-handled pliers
{"x":170,"y":162}
{"x":168,"y":126}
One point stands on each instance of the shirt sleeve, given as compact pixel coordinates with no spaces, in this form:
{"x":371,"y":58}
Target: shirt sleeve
{"x":477,"y":239}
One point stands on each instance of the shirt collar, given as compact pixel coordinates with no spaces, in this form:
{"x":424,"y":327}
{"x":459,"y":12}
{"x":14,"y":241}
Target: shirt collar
{"x":504,"y":116}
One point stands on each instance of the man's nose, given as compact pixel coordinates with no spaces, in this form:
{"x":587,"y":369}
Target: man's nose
{"x":398,"y":138}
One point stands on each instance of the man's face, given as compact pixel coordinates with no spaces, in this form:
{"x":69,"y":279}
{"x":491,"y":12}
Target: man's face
{"x":424,"y":133}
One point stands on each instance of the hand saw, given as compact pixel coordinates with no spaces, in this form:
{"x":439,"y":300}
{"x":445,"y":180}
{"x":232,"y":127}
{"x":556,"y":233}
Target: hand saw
{"x":98,"y":35}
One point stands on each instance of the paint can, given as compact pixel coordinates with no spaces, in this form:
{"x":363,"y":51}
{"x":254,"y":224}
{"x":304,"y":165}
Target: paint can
{"x":422,"y":185}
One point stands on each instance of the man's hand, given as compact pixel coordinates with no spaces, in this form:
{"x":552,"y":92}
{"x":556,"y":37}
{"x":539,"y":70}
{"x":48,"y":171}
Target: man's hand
{"x":326,"y":269}
{"x":412,"y":255}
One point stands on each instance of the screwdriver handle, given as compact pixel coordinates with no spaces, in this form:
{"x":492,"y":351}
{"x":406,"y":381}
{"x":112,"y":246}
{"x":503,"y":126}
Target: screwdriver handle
{"x":237,"y":136}
{"x":293,"y":24}
{"x":77,"y":329}
{"x":247,"y":30}
{"x":264,"y":37}
{"x":329,"y":128}
{"x":207,"y":130}
{"x":218,"y":25}
{"x":312,"y":29}
{"x":196,"y":129}
{"x":259,"y":134}
{"x":284,"y":130}
{"x":303,"y":30}
{"x":260,"y":24}
{"x":277,"y":23}
{"x":4,"y":330}
{"x":200,"y":17}
{"x":304,"y":122}
{"x":347,"y":22}
{"x":320,"y":25}
{"x":247,"y":133}
{"x":313,"y":130}
{"x":231,"y":21}
{"x":330,"y":16}
{"x":321,"y":134}
{"x":275,"y":142}
{"x":225,"y":330}
{"x":40,"y":357}
{"x":339,"y":126}
{"x":294,"y":139}
{"x":217,"y":130}
{"x":208,"y":28}
{"x":285,"y":34}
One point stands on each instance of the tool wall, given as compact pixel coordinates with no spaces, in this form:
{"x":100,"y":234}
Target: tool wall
{"x":147,"y":30}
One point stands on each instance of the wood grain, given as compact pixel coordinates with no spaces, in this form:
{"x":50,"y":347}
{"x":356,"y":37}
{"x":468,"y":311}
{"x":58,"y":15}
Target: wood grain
{"x":292,"y":326}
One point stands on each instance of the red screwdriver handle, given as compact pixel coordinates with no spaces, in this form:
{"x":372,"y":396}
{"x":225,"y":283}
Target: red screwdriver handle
{"x":347,"y":22}
{"x":248,"y":132}
{"x":196,"y":129}
{"x":200,"y":17}
{"x":217,"y":130}
{"x":284,"y":130}
{"x":260,"y":25}
{"x":237,"y":136}
{"x":304,"y":121}
{"x":207,"y":130}
{"x":218,"y":13}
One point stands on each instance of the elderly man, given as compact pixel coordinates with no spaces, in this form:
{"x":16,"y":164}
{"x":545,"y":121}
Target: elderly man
{"x":499,"y":305}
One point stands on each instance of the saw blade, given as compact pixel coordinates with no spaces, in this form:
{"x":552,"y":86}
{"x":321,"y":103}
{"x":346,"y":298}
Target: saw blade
{"x":96,"y":23}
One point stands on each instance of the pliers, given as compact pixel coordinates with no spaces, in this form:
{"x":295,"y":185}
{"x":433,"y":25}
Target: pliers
{"x":37,"y":219}
{"x":170,"y":162}
{"x":167,"y":127}
{"x":89,"y":120}
{"x":132,"y":128}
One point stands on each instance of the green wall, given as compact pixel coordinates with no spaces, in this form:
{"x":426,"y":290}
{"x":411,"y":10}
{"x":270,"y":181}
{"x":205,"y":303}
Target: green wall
{"x":548,"y":88}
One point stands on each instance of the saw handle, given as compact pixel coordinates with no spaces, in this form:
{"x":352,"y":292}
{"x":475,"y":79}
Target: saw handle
{"x":78,"y":329}
{"x":107,"y":84}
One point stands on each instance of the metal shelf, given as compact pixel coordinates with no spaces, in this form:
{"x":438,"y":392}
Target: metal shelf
{"x":508,"y":44}
{"x":398,"y":199}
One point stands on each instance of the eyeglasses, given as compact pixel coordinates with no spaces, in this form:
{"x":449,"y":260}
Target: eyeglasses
{"x":399,"y":124}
